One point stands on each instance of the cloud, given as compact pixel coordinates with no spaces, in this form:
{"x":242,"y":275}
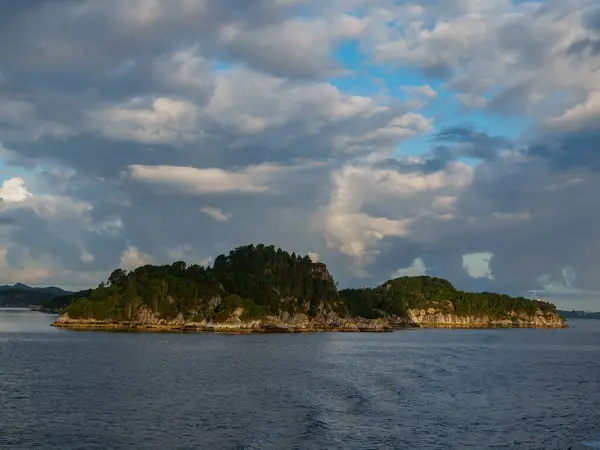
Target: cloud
{"x":477,"y":265}
{"x":216,"y":213}
{"x":424,"y":90}
{"x":503,"y":56}
{"x":579,"y":115}
{"x":14,"y":190}
{"x":314,"y":257}
{"x":416,"y":268}
{"x":132,"y":258}
{"x":336,"y":129}
{"x":261,"y":34}
{"x":360,"y":212}
{"x":252,"y":179}
{"x":163,"y":120}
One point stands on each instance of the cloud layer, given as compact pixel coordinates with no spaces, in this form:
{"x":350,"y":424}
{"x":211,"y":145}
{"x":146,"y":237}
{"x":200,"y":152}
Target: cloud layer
{"x":456,"y":138}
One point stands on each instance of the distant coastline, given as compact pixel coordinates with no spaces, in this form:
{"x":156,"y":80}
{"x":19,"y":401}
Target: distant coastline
{"x":20,"y":295}
{"x":580,"y":315}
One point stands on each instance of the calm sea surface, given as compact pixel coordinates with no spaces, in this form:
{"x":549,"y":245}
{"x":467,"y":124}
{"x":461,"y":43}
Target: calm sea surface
{"x":430,"y":389}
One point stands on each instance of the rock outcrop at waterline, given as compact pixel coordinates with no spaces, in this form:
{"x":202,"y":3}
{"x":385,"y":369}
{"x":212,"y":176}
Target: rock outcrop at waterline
{"x":298,"y":323}
{"x":433,"y":318}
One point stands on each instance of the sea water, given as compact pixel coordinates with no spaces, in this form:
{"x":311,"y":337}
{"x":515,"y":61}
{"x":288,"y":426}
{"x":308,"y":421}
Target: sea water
{"x":425,"y":389}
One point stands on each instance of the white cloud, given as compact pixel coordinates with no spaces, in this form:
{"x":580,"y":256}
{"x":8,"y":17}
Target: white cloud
{"x":205,"y":181}
{"x":477,"y":265}
{"x":132,"y":258}
{"x":216,"y":213}
{"x":14,"y":190}
{"x":419,"y":96}
{"x":111,"y":226}
{"x":314,"y":257}
{"x":86,"y":256}
{"x":190,"y":180}
{"x":424,"y":90}
{"x":443,"y":204}
{"x":354,"y":232}
{"x":161,"y":120}
{"x":447,"y":43}
{"x":244,"y":99}
{"x":579,"y":115}
{"x":416,"y":268}
{"x":499,"y":55}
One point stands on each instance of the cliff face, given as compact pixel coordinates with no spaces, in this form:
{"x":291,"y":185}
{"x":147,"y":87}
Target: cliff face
{"x":144,"y":319}
{"x":435,"y":318}
{"x":285,"y":323}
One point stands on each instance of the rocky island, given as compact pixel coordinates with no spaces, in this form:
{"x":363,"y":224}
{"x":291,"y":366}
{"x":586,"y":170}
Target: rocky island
{"x":262,"y":289}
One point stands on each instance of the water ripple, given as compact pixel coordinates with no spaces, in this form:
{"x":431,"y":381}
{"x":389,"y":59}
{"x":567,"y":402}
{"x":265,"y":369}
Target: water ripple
{"x":430,"y":389}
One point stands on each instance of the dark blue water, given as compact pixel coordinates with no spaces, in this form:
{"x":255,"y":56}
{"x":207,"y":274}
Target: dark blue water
{"x":430,"y":389}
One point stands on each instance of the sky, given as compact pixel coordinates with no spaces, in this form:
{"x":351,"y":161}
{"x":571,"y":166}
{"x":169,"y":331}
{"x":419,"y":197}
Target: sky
{"x":453,"y":138}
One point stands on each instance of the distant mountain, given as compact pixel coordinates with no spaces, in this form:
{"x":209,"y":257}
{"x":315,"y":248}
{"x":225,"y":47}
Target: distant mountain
{"x":21,"y":295}
{"x":58,"y":303}
{"x":579,"y":314}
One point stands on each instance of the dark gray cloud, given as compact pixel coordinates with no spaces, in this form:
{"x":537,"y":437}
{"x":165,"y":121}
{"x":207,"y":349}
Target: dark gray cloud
{"x":99,"y":38}
{"x":591,"y":21}
{"x":5,"y":220}
{"x":513,"y":100}
{"x":466,"y":134}
{"x":570,"y":151}
{"x":579,"y":47}
{"x":469,"y":143}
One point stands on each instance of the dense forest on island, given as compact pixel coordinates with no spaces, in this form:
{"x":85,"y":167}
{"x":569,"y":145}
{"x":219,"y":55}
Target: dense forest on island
{"x":422,"y":292}
{"x":259,"y":280}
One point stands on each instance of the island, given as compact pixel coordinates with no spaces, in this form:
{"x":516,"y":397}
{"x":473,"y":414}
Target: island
{"x":262,"y":289}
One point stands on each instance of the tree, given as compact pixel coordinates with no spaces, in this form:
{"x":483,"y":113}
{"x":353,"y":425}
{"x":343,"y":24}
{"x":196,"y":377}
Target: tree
{"x":117,"y":277}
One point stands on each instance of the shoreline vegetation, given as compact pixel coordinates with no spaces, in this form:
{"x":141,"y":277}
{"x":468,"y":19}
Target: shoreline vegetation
{"x":263,"y":289}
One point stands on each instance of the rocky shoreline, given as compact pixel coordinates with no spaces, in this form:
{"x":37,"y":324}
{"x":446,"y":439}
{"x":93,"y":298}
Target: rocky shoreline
{"x":234,"y":325}
{"x":434,"y":318}
{"x":300,"y":323}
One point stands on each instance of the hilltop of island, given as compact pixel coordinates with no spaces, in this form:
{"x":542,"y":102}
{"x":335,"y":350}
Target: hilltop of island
{"x":259,"y":288}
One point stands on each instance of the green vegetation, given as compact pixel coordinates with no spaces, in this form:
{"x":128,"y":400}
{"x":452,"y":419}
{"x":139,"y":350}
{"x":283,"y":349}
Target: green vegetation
{"x":261,"y":280}
{"x":60,"y":302}
{"x":396,"y":296}
{"x":423,"y":292}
